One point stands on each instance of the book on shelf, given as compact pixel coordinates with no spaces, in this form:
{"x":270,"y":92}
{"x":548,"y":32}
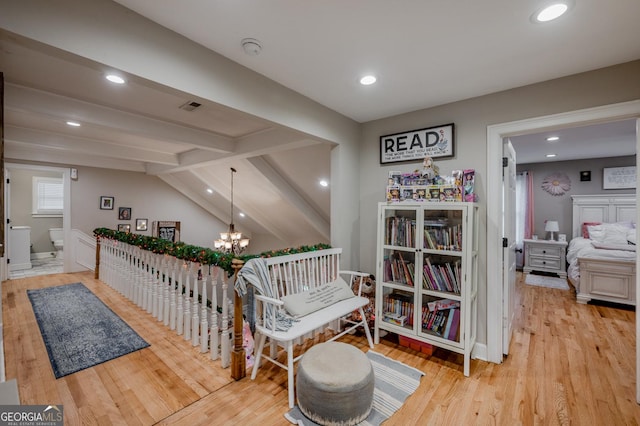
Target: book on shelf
{"x":441,"y":304}
{"x":400,"y":231}
{"x":398,"y":270}
{"x":394,"y":318}
{"x":443,"y":323}
{"x":400,"y":305}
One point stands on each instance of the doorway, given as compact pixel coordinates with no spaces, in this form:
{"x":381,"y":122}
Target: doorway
{"x":30,"y":251}
{"x":495,"y":135}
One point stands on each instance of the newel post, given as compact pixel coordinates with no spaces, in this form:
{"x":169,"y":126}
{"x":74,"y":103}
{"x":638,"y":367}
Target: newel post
{"x":238,"y":358}
{"x":96,"y":274}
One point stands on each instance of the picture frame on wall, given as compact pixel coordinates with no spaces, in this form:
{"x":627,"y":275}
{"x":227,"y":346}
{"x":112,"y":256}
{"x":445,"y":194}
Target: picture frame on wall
{"x":124,"y":213}
{"x":142,"y":224}
{"x":124,"y":227}
{"x":106,"y":203}
{"x":619,"y":177}
{"x":415,"y":145}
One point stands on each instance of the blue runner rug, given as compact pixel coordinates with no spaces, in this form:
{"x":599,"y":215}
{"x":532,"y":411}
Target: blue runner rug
{"x":394,"y":383}
{"x":79,"y":330}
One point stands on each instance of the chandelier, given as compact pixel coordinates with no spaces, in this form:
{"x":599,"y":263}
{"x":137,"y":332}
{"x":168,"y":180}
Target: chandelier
{"x":231,"y":241}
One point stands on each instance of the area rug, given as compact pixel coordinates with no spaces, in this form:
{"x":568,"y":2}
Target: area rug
{"x":394,"y":383}
{"x":544,"y":281}
{"x":79,"y":330}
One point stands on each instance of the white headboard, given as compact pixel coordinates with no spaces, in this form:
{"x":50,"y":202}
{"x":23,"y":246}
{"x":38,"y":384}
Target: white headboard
{"x":602,"y":208}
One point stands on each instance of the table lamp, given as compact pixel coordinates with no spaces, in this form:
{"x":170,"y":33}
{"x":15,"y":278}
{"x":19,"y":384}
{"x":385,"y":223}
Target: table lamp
{"x":552,"y":227}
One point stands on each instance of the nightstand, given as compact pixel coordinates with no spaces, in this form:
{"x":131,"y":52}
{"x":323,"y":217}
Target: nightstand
{"x":545,"y":256}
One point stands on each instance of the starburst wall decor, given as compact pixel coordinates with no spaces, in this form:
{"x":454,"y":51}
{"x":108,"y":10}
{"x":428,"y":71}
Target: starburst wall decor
{"x":556,"y":184}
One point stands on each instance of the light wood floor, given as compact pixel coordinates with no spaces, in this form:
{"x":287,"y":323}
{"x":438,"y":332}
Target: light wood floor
{"x":569,"y":364}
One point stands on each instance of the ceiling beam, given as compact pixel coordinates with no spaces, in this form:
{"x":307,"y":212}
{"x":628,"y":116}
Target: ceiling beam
{"x":92,"y":147}
{"x":257,"y":144}
{"x":31,"y":153}
{"x":313,"y":217}
{"x":20,"y":98}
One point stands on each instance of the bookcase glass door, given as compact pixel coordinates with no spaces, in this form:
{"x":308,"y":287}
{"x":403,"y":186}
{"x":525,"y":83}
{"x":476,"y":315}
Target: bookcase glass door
{"x":399,"y":266}
{"x":442,"y":282}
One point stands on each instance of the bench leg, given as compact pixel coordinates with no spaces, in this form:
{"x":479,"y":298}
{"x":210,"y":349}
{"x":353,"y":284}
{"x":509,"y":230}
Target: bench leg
{"x":365,"y":325}
{"x":256,"y":362}
{"x":290,"y":372}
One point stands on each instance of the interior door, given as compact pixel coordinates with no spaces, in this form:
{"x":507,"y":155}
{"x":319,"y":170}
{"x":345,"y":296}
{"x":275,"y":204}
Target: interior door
{"x":509,"y":239}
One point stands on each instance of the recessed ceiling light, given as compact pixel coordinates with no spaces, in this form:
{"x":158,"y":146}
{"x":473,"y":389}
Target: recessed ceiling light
{"x":552,"y":11}
{"x":73,"y":124}
{"x":550,"y":155}
{"x":368,"y":80}
{"x":552,"y":138}
{"x":242,"y":214}
{"x":115,"y":78}
{"x":323,"y":183}
{"x":210,"y":191}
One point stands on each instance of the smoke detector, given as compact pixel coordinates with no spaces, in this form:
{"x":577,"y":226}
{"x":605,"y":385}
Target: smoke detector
{"x":251,"y":46}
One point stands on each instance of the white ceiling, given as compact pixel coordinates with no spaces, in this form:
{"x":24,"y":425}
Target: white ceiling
{"x":424,"y":53}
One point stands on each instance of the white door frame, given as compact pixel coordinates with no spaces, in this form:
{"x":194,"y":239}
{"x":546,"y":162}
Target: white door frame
{"x":495,"y":134}
{"x":66,"y":218}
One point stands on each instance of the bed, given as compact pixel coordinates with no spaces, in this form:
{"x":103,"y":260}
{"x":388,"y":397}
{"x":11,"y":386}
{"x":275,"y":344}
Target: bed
{"x":601,"y":254}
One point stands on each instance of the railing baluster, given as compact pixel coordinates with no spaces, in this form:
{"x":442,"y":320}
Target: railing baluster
{"x":214,"y":340}
{"x":187,"y":304}
{"x":204,"y":324}
{"x":180,"y":302}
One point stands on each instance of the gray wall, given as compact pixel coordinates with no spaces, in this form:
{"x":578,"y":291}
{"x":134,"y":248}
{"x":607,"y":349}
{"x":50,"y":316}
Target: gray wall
{"x":148,"y":196}
{"x":21,"y":207}
{"x":471,"y":117}
{"x":550,"y":207}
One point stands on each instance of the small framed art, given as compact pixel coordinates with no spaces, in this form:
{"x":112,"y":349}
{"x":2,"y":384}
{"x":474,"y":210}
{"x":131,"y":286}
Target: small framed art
{"x":141,"y":224}
{"x":124,"y":227}
{"x":124,"y":213}
{"x":106,"y":203}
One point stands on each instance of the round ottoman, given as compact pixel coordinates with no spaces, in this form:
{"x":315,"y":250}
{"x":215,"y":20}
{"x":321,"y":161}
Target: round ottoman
{"x":334,"y":384}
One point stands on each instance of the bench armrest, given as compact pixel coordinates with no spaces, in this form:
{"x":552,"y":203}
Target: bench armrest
{"x":352,"y":275}
{"x":269,"y":300}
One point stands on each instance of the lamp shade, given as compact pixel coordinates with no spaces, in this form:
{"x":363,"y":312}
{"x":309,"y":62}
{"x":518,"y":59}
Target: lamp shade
{"x":551,"y":226}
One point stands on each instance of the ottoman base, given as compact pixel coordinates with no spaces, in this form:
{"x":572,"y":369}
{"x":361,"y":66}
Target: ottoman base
{"x":335,"y":384}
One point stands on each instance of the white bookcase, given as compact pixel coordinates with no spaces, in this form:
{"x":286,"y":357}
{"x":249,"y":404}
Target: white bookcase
{"x":426,"y":273}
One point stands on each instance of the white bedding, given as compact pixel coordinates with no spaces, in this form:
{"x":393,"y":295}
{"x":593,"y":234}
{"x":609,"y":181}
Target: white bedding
{"x":583,"y":247}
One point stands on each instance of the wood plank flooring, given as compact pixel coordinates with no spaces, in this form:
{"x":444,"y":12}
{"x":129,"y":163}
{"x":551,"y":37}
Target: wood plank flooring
{"x":568,"y":364}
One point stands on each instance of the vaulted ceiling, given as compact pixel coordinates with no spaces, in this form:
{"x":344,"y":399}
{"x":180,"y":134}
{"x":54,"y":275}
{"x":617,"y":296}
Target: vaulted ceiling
{"x":424,"y":54}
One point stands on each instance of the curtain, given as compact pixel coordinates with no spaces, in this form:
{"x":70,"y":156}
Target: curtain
{"x":524,"y":212}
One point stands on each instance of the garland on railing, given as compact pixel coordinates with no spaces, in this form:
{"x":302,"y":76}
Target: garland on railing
{"x":202,"y":255}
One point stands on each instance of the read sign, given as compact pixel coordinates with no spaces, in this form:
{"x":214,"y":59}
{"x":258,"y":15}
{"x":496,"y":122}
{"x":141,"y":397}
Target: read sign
{"x":417,"y":144}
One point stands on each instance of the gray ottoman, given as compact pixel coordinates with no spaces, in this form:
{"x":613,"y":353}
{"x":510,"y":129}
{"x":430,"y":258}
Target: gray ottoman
{"x":334,"y":384}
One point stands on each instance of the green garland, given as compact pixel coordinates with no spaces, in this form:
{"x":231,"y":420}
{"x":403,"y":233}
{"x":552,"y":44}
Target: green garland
{"x":202,"y":255}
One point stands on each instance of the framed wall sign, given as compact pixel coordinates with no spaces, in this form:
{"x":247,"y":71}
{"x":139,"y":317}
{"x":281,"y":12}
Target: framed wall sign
{"x":619,"y":177}
{"x":415,"y":145}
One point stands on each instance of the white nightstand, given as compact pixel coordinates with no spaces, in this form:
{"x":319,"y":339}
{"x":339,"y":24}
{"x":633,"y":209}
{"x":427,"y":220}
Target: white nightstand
{"x":545,"y":256}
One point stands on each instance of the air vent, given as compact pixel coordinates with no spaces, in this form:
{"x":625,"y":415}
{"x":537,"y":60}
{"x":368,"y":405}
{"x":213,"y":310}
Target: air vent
{"x":190,"y":106}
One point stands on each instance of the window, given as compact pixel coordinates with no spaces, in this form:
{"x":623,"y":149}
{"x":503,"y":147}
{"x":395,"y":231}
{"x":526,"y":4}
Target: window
{"x":48,"y":196}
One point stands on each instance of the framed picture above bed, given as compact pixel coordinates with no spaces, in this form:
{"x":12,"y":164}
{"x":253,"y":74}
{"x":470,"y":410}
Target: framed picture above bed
{"x":619,"y":177}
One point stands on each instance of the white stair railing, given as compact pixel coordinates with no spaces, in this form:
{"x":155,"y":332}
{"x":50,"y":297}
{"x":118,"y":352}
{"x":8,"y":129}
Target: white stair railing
{"x":182,"y":295}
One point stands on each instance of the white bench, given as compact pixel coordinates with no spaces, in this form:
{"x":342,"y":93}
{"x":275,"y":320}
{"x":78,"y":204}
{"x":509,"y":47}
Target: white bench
{"x":290,"y":275}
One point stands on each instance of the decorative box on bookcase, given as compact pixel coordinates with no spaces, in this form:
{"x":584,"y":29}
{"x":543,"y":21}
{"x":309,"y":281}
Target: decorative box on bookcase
{"x":426,"y":270}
